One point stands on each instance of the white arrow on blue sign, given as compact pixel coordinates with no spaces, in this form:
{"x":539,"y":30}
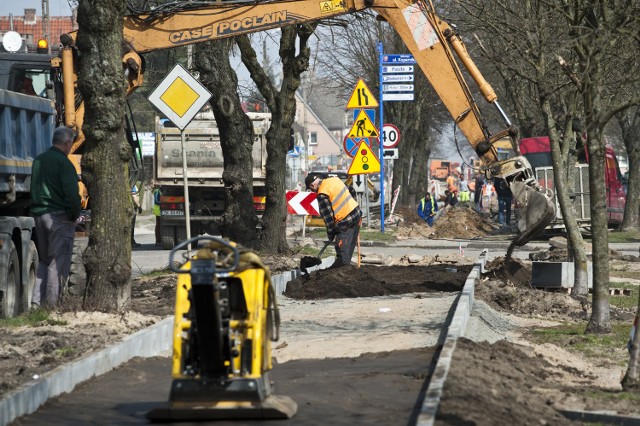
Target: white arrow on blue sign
{"x":397,"y":87}
{"x":397,"y":68}
{"x":397,"y":78}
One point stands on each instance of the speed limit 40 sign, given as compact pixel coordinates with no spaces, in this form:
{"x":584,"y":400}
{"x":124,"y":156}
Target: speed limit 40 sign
{"x":390,"y":136}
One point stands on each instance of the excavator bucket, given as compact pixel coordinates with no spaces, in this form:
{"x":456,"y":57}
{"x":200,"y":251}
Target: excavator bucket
{"x":225,"y":319}
{"x":536,"y":211}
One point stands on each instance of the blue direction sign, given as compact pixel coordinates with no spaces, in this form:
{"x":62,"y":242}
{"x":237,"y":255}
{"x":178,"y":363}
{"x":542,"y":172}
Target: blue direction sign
{"x":386,"y":69}
{"x":398,"y":59}
{"x":397,"y":87}
{"x":397,"y":78}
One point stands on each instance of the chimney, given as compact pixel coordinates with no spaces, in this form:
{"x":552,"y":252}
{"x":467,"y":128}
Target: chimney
{"x":29,"y":16}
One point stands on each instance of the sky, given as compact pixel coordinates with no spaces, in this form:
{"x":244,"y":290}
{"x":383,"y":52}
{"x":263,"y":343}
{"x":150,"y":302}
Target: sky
{"x":17,"y":7}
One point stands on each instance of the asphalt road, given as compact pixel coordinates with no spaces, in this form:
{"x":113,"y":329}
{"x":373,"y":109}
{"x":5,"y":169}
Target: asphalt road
{"x":373,"y":389}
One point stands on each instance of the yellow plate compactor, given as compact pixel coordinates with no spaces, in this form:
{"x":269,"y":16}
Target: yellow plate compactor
{"x":225,"y":320}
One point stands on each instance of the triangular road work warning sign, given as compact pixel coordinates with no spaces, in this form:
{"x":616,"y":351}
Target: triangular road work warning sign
{"x":362,"y":97}
{"x":363,"y":127}
{"x":364,"y":162}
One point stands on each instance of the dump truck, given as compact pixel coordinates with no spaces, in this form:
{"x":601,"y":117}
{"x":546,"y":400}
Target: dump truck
{"x":26,"y":129}
{"x":205,"y":167}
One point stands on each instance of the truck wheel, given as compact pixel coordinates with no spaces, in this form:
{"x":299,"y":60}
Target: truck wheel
{"x":168,"y":242}
{"x":168,"y":237}
{"x":9,"y":281}
{"x":30,"y":279}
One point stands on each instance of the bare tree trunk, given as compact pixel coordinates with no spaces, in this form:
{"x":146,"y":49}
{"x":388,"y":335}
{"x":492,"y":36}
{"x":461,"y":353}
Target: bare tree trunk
{"x":630,"y":125}
{"x":105,"y":162}
{"x":599,"y":322}
{"x":282,"y":105}
{"x":631,"y":379}
{"x":561,"y":170}
{"x":236,"y":138}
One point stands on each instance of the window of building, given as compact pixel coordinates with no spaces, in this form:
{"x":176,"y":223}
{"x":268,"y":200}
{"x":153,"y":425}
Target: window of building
{"x":313,"y":138}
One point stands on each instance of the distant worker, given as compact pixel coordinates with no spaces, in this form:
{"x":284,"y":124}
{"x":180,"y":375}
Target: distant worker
{"x":156,"y":212}
{"x":55,"y":205}
{"x":451,"y":183}
{"x":479,"y":186}
{"x":504,"y":201}
{"x":137,"y":208}
{"x":464,"y":189}
{"x":340,"y":212}
{"x":488,"y":193}
{"x":471,"y":184}
{"x":450,"y":198}
{"x":427,"y":208}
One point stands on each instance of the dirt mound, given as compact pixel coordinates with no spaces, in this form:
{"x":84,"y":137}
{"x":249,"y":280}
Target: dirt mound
{"x":370,"y":280}
{"x":512,"y":271}
{"x":409,"y":216}
{"x":517,"y":387}
{"x":506,"y":286}
{"x":462,"y":221}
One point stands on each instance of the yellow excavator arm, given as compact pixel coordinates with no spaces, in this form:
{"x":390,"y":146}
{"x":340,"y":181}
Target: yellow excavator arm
{"x":434,"y":44}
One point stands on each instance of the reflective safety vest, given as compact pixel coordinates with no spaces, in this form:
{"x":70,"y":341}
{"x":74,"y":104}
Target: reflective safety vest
{"x":341,"y":200}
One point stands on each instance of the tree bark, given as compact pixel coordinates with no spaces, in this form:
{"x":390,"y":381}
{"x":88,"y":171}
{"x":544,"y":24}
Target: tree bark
{"x":561,"y":171}
{"x":629,"y":122}
{"x":282,"y":104}
{"x":236,"y":139}
{"x":631,"y":379}
{"x":599,"y":322}
{"x":105,"y":162}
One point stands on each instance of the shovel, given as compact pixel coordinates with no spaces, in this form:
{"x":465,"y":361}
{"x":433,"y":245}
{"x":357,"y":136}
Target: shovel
{"x":309,"y":261}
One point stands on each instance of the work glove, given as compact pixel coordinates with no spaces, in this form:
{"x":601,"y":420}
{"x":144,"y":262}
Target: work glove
{"x":331,"y":237}
{"x":139,"y":209}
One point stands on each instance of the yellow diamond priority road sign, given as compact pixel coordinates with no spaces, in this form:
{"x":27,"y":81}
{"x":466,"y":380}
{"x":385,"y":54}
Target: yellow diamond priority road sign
{"x":179,"y":96}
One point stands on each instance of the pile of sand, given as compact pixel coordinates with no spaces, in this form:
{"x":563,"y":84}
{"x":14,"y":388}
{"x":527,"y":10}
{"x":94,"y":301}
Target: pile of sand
{"x":459,"y":222}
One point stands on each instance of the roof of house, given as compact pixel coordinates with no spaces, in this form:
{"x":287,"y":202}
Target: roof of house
{"x":329,"y":108}
{"x":31,"y":27}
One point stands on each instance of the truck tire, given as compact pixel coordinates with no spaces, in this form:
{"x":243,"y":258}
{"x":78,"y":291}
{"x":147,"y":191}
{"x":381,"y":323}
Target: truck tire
{"x":30,"y":278}
{"x":9,"y":281}
{"x":168,"y":237}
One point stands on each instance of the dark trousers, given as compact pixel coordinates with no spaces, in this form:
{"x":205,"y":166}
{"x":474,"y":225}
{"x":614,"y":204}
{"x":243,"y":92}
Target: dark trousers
{"x":477,"y":197}
{"x":55,"y":233}
{"x":133,"y":228}
{"x":345,"y":244}
{"x":504,"y":210}
{"x":157,"y":230}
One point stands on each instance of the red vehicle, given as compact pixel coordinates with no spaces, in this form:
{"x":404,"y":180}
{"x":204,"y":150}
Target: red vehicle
{"x":538,"y":152}
{"x":440,"y":169}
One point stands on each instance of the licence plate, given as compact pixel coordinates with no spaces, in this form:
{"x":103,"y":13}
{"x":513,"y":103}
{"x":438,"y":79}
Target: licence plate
{"x":171,"y":213}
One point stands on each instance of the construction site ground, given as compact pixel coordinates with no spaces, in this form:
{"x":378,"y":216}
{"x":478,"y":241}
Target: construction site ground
{"x":370,"y":357}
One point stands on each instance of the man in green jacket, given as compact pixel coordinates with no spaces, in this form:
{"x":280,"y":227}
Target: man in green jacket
{"x":55,"y":205}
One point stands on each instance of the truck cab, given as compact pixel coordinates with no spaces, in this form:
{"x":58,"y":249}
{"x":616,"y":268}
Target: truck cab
{"x":28,"y":73}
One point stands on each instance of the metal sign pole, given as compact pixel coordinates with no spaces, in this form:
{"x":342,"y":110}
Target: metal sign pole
{"x":185,"y":182}
{"x":380,"y":52}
